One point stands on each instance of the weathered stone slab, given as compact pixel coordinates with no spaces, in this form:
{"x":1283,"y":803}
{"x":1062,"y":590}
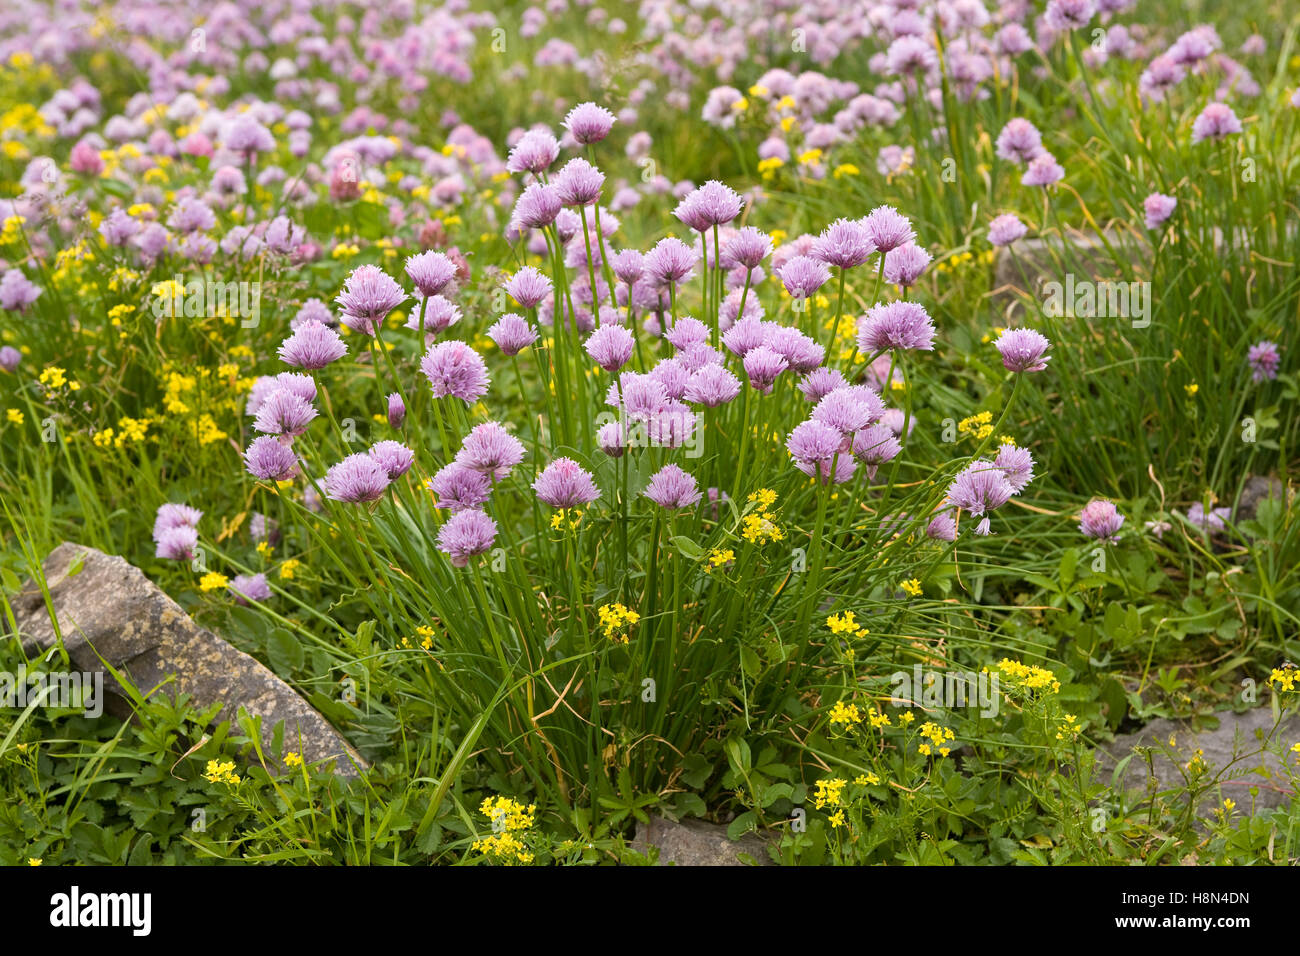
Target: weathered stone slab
{"x":698,"y":843}
{"x":1233,"y":747}
{"x":107,"y":608}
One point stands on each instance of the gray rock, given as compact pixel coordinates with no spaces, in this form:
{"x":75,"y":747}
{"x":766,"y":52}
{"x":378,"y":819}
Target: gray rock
{"x":1024,"y":266}
{"x":1233,"y":749}
{"x":698,"y":843}
{"x":1257,"y":488}
{"x":107,"y":608}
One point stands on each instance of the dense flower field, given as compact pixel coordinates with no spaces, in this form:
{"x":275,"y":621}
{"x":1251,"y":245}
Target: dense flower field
{"x":830,"y":420}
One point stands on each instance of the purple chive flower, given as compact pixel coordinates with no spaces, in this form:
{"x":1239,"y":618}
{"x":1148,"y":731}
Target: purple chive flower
{"x":1158,"y":207}
{"x":460,"y":488}
{"x":801,"y":353}
{"x":284,"y":413}
{"x":271,"y":460}
{"x":579,"y":183}
{"x":820,"y":382}
{"x":1023,"y":350}
{"x":1043,"y":171}
{"x":565,"y":484}
{"x":17,"y":292}
{"x":1215,"y":122}
{"x":747,"y":248}
{"x":1264,"y":360}
{"x":10,"y":358}
{"x":262,"y":528}
{"x":394,"y":457}
{"x":904,"y":265}
{"x":763,"y":365}
{"x":250,"y":587}
{"x":1101,"y":520}
{"x":1211,"y":520}
{"x":713,"y":204}
{"x":1017,"y":464}
{"x":528,"y":287}
{"x":1020,"y":141}
{"x":804,"y":275}
{"x":744,"y":336}
{"x":943,"y":527}
{"x":312,"y":346}
{"x":172,"y":515}
{"x":176,"y":544}
{"x":455,"y":369}
{"x":979,"y":488}
{"x":628,"y":265}
{"x":887,"y":228}
{"x":314,"y":310}
{"x":191,"y":215}
{"x":813,"y":442}
{"x":1006,"y":229}
{"x":355,"y":479}
{"x":512,"y":334}
{"x":610,"y":346}
{"x":588,"y":123}
{"x":848,"y":410}
{"x":875,"y":445}
{"x":246,"y":135}
{"x":686,"y":332}
{"x":672,"y":488}
{"x":466,"y":534}
{"x":611,"y":439}
{"x":845,"y":243}
{"x":437,"y":313}
{"x":538,"y":206}
{"x":396,"y":410}
{"x":670,"y":261}
{"x":1065,"y":15}
{"x":118,"y":228}
{"x":711,"y":386}
{"x":368,"y":295}
{"x":431,"y":272}
{"x":910,"y":54}
{"x":896,"y":325}
{"x":533,"y":153}
{"x":490,"y":449}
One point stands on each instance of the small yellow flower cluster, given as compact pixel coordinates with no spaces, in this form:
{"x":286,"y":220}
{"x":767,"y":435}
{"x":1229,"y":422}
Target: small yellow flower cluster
{"x":719,"y":557}
{"x":289,"y":568}
{"x":829,"y":792}
{"x":961,"y":259}
{"x":55,"y":378}
{"x":14,"y":416}
{"x":1028,"y":676}
{"x":938,"y":736}
{"x":614,"y":618}
{"x":219,"y":772}
{"x":12,"y":229}
{"x":867,"y":780}
{"x":128,"y":430}
{"x":845,"y":623}
{"x":176,"y":386}
{"x":293,"y":760}
{"x":206,"y":430}
{"x":1197,"y":764}
{"x":509,"y":819}
{"x":981,"y":425}
{"x":1069,"y":729}
{"x":212,"y":581}
{"x":1285,"y":679}
{"x":846,"y":714}
{"x":912,"y":586}
{"x":878,"y":719}
{"x":759,"y":526}
{"x":570,"y":516}
{"x":845,"y":169}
